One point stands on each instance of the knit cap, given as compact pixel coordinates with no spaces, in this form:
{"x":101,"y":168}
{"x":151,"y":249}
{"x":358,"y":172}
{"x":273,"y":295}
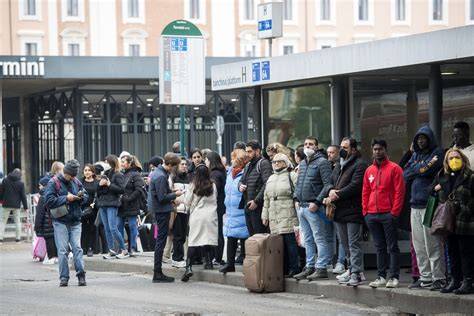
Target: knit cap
{"x":72,"y":167}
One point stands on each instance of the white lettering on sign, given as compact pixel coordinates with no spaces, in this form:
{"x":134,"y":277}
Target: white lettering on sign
{"x":23,"y":68}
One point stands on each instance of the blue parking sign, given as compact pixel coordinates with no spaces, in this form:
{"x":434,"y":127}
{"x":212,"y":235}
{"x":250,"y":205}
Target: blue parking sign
{"x":255,"y":71}
{"x":265,"y":70}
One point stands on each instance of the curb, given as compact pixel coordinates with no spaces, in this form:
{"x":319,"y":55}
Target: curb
{"x":403,"y":299}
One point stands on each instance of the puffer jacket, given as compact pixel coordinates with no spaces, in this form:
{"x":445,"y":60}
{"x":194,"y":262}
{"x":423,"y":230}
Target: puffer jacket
{"x":255,"y":176}
{"x":43,"y":220}
{"x":278,"y":205}
{"x":314,"y":179}
{"x":422,"y":168}
{"x":53,"y":198}
{"x":463,"y":190}
{"x":234,"y":222}
{"x":348,"y":181}
{"x":133,"y":182}
{"x":109,"y":196}
{"x":13,"y":191}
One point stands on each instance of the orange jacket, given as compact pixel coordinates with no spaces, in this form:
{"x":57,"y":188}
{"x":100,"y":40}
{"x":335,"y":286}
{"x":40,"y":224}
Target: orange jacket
{"x":384,"y":189}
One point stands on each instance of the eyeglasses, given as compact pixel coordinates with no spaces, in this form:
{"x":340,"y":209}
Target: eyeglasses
{"x":277,"y":161}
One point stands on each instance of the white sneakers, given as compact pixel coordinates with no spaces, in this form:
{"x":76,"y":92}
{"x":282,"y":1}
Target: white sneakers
{"x":338,"y":268}
{"x":50,"y":261}
{"x":380,"y":281}
{"x":178,"y":264}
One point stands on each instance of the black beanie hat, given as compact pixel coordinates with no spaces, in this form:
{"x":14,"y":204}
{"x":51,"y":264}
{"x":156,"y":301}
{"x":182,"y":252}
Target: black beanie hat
{"x":72,"y":167}
{"x":156,"y":161}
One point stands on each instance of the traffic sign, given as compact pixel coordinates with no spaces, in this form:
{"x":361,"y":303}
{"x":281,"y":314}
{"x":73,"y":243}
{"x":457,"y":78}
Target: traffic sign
{"x":270,"y":20}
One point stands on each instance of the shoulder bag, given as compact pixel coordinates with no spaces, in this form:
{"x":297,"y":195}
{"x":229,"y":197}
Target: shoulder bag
{"x":444,"y":218}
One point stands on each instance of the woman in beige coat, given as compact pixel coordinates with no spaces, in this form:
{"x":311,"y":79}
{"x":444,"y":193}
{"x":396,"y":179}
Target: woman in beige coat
{"x":279,"y":210}
{"x":201,"y":201}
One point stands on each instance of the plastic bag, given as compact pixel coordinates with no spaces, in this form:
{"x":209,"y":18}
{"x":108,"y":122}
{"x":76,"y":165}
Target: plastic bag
{"x":299,"y":236}
{"x":39,"y":248}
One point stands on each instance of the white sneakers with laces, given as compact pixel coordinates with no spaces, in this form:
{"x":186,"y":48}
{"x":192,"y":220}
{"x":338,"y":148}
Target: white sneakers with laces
{"x":379,"y":282}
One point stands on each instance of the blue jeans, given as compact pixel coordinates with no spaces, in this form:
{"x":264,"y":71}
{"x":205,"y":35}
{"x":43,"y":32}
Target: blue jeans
{"x":319,"y":233}
{"x":132,"y":224}
{"x":384,"y":232}
{"x":108,"y":216}
{"x":65,"y":235}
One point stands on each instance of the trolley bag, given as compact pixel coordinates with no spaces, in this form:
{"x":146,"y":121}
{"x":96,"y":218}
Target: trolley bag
{"x":146,"y":234}
{"x":263,"y":263}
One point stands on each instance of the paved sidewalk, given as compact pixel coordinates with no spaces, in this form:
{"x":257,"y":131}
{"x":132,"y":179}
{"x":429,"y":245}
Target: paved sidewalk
{"x":402,"y":299}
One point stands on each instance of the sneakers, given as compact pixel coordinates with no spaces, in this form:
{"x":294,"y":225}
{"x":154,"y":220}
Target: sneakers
{"x":345,"y":275}
{"x":304,"y":274}
{"x":380,"y":281}
{"x":110,"y":255}
{"x":48,"y":261}
{"x":355,"y":280}
{"x":392,"y":283}
{"x":415,"y":285}
{"x":90,"y":253}
{"x":319,"y":274}
{"x":426,"y":284}
{"x":178,"y":264}
{"x":437,"y":285}
{"x":123,"y":254}
{"x":338,"y":268}
{"x":63,"y":283}
{"x":362,"y":276}
{"x":344,"y":278}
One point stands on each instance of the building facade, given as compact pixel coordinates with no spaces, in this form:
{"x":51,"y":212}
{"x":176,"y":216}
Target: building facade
{"x":133,"y":27}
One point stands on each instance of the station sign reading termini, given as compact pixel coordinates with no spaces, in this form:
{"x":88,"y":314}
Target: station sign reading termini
{"x":23,"y":68}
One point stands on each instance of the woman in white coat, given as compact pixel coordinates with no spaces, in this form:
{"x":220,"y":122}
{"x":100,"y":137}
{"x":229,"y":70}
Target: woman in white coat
{"x":201,"y":201}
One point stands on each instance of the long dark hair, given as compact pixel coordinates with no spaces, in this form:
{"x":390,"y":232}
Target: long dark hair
{"x":202,"y":181}
{"x":215,"y":161}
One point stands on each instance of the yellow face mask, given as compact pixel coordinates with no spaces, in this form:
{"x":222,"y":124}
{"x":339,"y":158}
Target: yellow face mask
{"x":455,"y":164}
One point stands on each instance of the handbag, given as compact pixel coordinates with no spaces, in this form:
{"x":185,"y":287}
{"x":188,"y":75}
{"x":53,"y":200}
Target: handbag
{"x":59,"y":211}
{"x":87,"y":213}
{"x":444,"y":218}
{"x":330,"y":211}
{"x":431,"y":206}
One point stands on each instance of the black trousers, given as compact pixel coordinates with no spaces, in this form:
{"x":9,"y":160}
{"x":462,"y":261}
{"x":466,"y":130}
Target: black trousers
{"x":219,"y":249}
{"x":162,"y":221}
{"x":179,"y":236}
{"x":100,"y":241}
{"x":253,"y":220}
{"x":461,"y":253}
{"x":232,"y":244}
{"x":196,"y":252}
{"x":51,"y":247}
{"x":89,"y":234}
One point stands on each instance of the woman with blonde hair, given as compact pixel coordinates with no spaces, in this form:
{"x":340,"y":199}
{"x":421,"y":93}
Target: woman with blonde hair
{"x":279,"y":210}
{"x":455,"y":182}
{"x":235,"y":227}
{"x":57,"y":168}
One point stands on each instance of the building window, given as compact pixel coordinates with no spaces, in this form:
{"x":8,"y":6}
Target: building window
{"x":437,"y":10}
{"x":31,"y":49}
{"x":73,"y":49}
{"x":249,"y":10}
{"x":325,"y":10}
{"x":194,"y":9}
{"x":249,"y":44}
{"x":363,"y":10}
{"x":471,"y":10}
{"x":72,"y":8}
{"x":30,"y":7}
{"x":133,"y":50}
{"x":250,"y":50}
{"x":287,"y":9}
{"x":400,"y":10}
{"x":287,"y":49}
{"x":133,"y":9}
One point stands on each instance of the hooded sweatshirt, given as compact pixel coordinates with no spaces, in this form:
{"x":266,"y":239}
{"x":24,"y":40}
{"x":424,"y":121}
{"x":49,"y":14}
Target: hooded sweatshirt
{"x":13,"y":191}
{"x":422,"y":167}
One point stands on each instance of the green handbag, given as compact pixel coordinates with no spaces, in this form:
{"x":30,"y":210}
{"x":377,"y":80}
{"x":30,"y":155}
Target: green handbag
{"x":431,"y":206}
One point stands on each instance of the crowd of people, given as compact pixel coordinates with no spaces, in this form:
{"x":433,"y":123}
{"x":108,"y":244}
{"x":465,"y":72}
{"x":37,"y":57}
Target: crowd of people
{"x":310,"y":196}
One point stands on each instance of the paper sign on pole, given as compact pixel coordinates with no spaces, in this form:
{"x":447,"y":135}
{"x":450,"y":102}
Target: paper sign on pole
{"x":182,"y":64}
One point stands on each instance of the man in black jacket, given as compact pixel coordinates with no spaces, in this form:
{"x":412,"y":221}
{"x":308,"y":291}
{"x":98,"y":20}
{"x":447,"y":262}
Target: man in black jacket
{"x":252,"y":184}
{"x":348,"y":176}
{"x":12,"y":192}
{"x":160,"y":198}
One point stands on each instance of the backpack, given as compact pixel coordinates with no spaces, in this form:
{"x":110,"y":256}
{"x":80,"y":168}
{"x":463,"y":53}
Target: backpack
{"x":142,"y":199}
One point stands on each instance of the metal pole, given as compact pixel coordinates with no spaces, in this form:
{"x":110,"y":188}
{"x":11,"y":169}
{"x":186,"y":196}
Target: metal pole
{"x":311,"y":122}
{"x":270,"y":42}
{"x":182,"y":112}
{"x":436,"y":102}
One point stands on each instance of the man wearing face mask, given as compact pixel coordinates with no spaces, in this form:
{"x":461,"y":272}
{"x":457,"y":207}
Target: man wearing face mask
{"x":421,"y":169}
{"x":348,"y":175}
{"x":383,"y":192}
{"x":461,"y":141}
{"x":314,"y":183}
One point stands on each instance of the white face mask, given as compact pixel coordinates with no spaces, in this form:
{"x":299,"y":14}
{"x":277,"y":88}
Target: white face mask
{"x":309,"y":152}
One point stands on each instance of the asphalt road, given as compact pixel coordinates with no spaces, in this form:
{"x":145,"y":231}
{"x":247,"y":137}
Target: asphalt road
{"x":28,"y":287}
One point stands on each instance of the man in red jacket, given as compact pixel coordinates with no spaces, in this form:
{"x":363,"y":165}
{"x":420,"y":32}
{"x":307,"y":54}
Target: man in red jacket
{"x":382,"y":200}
